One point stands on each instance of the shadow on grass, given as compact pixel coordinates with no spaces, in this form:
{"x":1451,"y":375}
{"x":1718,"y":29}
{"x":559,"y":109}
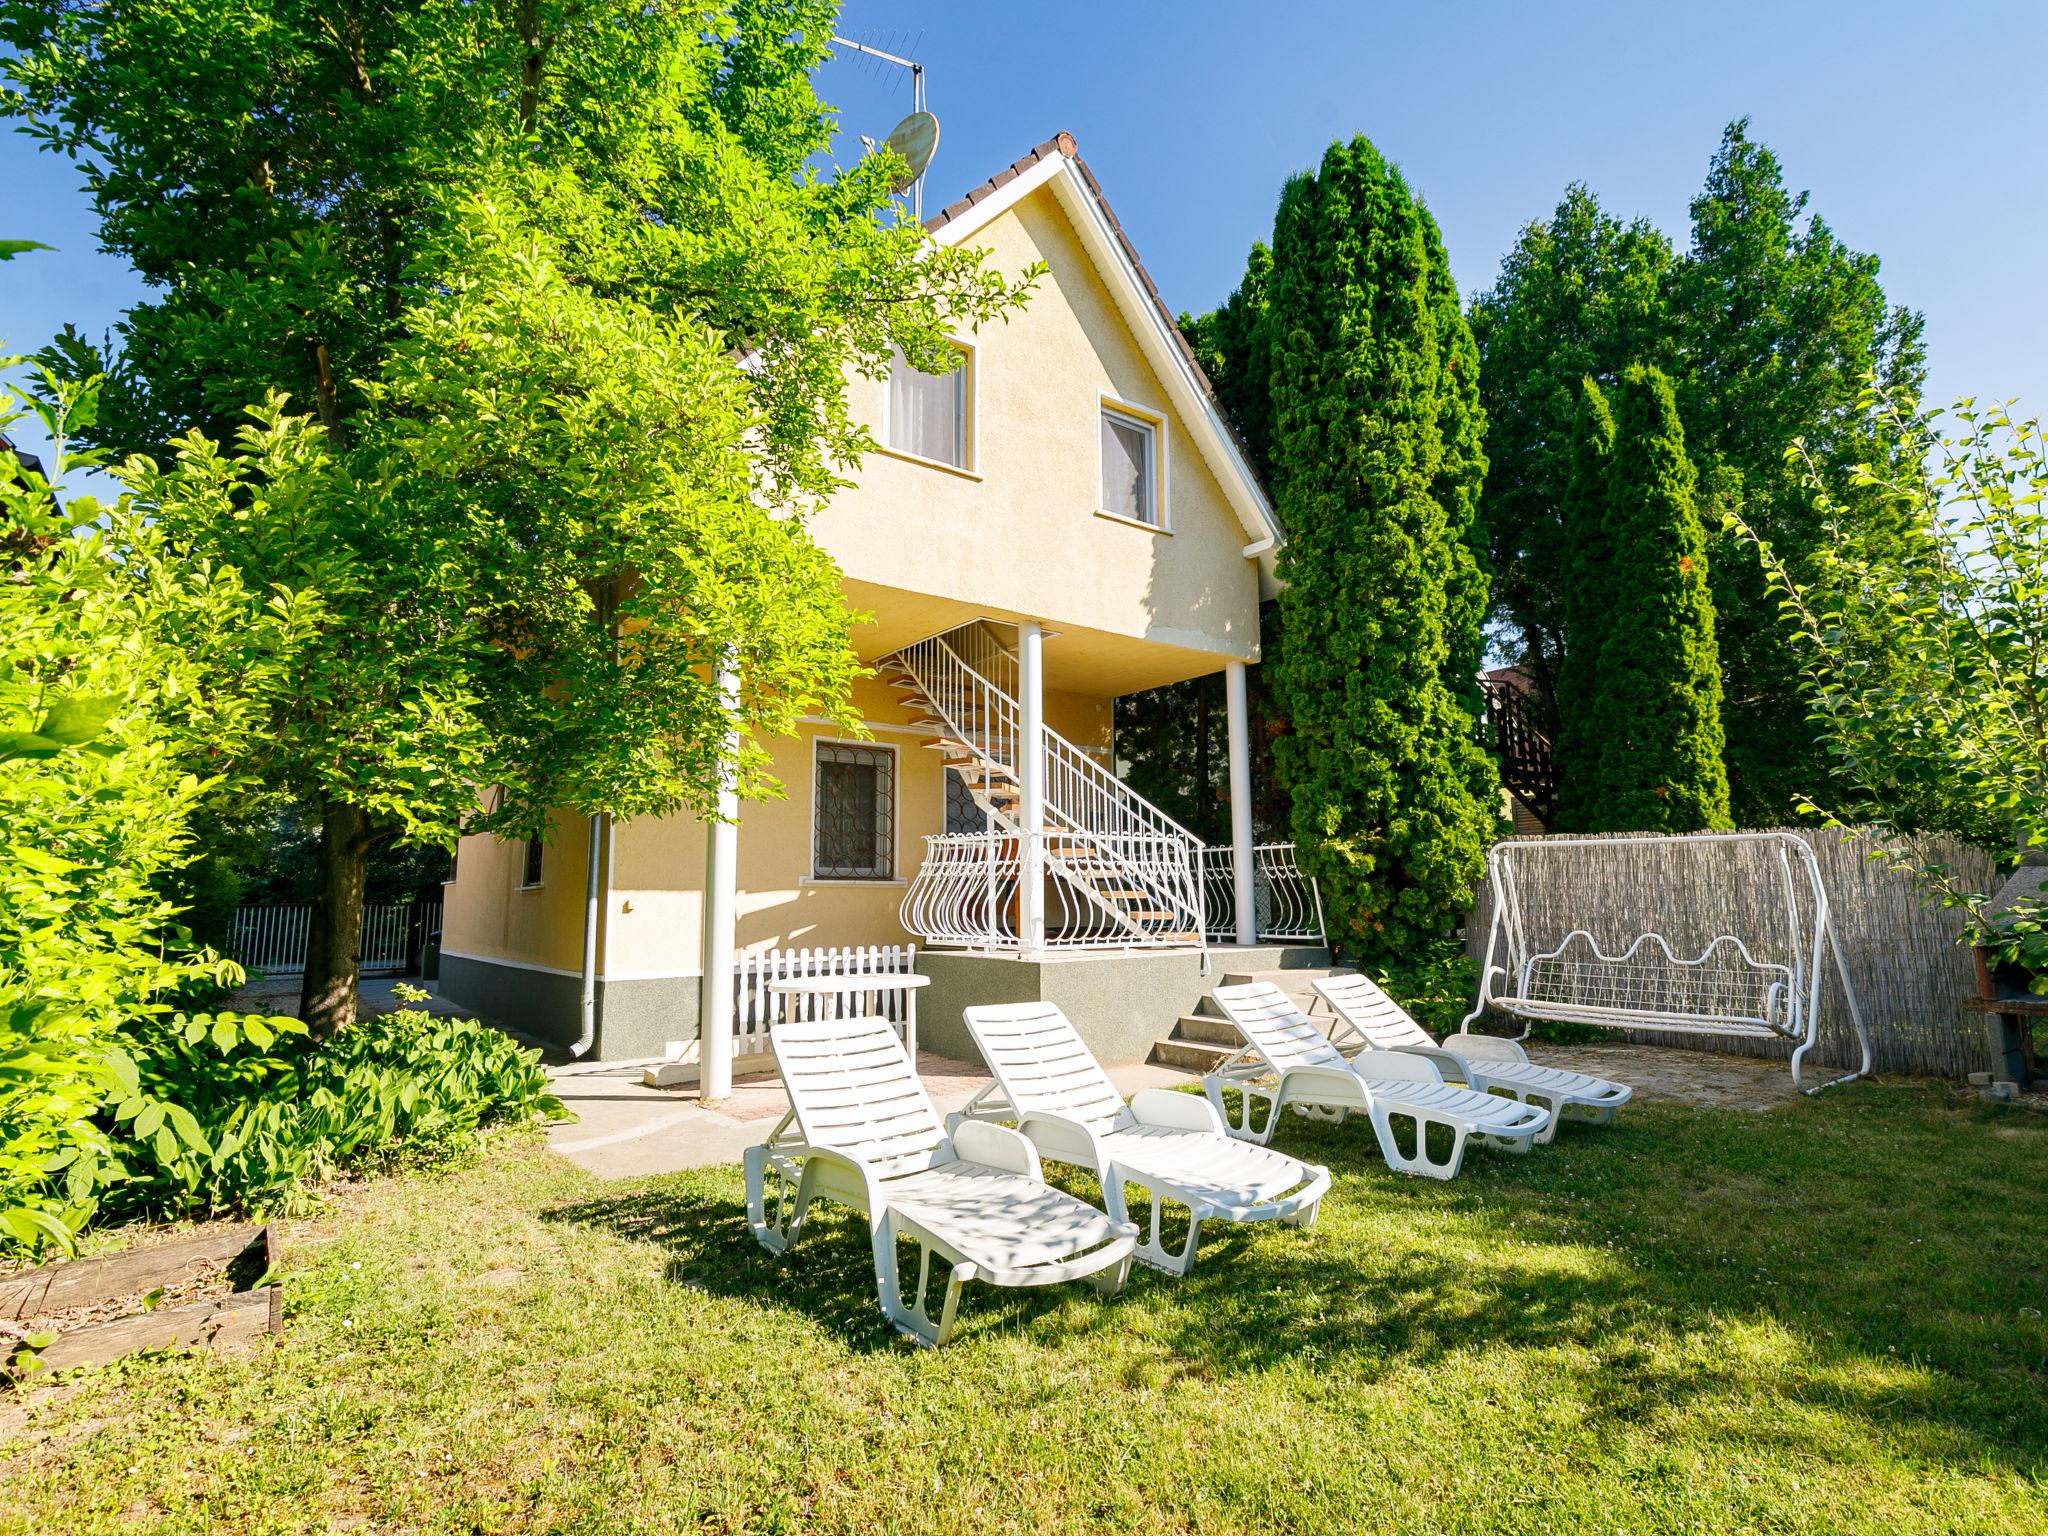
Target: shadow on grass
{"x":1859,"y":1265}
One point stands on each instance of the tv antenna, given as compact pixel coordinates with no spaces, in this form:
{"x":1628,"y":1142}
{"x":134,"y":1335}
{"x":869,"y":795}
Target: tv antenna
{"x":917,"y":136}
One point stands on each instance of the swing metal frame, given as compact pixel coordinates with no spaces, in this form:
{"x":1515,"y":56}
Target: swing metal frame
{"x":1723,"y":990}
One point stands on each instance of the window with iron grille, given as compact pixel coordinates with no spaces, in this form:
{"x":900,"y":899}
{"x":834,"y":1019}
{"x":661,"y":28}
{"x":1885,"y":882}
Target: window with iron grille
{"x":964,"y":813}
{"x":536,"y":852}
{"x":853,"y":815}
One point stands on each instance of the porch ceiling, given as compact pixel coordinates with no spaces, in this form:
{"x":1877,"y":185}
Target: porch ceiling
{"x":1077,"y":660}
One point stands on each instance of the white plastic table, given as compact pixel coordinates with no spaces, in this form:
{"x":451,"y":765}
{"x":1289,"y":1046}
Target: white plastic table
{"x":857,"y":994}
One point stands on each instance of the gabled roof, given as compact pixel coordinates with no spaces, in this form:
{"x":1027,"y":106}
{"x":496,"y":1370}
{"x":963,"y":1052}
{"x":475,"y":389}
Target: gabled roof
{"x":1057,"y":163}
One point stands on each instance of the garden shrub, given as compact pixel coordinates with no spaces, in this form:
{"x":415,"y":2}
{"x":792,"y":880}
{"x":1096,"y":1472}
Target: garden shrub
{"x":234,"y":1113}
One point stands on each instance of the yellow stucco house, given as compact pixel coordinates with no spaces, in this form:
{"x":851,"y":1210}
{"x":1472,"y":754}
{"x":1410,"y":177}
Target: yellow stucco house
{"x":1065,"y":519}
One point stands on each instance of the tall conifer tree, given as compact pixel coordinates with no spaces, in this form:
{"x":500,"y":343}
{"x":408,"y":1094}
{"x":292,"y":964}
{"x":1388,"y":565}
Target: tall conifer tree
{"x":1587,"y":616}
{"x":1654,"y":714}
{"x":1393,"y":800}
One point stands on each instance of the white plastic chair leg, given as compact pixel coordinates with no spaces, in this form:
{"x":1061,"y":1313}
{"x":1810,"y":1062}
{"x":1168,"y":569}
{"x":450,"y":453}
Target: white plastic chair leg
{"x":914,"y":1320}
{"x":1152,"y":1251}
{"x":792,"y":1199}
{"x":1419,"y":1161}
{"x":1240,"y":1125}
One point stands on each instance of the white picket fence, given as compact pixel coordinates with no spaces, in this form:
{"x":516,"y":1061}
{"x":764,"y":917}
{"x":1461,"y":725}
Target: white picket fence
{"x":271,"y":940}
{"x":756,"y":1009}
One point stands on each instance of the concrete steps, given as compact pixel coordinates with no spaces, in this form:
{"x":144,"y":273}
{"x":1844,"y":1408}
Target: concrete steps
{"x":1203,"y":1040}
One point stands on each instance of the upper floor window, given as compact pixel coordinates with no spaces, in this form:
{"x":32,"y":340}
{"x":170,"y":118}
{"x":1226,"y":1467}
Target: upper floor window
{"x":1130,"y":467}
{"x":927,"y":412}
{"x":853,"y":812}
{"x":529,"y":871}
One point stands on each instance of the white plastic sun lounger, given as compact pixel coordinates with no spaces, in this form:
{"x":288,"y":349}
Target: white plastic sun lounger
{"x":1171,"y":1145}
{"x":1288,"y":1063}
{"x":861,"y":1130}
{"x":1486,"y":1063}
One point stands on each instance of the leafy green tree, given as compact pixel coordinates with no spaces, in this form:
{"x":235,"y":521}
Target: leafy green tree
{"x":1234,"y":349}
{"x":1652,"y":733}
{"x":1924,"y":658}
{"x":574,"y":319}
{"x":1393,"y":800}
{"x":1588,"y":618}
{"x":1781,"y":324}
{"x":1767,"y":326}
{"x":112,"y":655}
{"x":1580,"y":296}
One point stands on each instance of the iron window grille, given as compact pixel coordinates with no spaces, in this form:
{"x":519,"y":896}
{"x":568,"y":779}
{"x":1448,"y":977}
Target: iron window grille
{"x":853,"y":830}
{"x":536,"y":853}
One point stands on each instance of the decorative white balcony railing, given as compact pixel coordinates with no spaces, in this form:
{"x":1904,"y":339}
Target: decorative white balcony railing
{"x":967,"y":891}
{"x":1287,"y":904}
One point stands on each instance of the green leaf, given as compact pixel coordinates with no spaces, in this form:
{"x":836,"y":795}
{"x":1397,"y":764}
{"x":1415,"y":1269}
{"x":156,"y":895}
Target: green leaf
{"x":9,"y":249}
{"x":77,"y":719}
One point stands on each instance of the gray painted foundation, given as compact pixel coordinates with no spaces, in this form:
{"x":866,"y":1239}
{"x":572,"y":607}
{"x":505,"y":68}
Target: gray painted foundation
{"x":1119,"y":1003}
{"x":635,"y":1018}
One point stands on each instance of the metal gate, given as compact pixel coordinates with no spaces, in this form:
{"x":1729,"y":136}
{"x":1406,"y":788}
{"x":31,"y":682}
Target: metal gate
{"x":271,"y":941}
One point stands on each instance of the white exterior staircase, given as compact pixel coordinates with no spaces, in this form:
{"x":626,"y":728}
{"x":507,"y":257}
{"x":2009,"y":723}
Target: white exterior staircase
{"x":1117,"y":870}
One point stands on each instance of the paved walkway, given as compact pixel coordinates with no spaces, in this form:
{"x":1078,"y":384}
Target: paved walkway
{"x":1678,"y":1076}
{"x":625,"y":1130}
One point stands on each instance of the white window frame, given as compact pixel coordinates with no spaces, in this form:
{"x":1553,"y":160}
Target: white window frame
{"x":1107,"y":404}
{"x":811,"y":875}
{"x":970,"y":446}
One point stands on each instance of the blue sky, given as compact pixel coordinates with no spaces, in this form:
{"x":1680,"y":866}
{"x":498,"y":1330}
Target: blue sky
{"x":1919,"y":131}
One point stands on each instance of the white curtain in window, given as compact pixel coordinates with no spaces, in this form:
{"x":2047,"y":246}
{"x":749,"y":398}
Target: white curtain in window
{"x":928,"y":413}
{"x":1126,"y":467}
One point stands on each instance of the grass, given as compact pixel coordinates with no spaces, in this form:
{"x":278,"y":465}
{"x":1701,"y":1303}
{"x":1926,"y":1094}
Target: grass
{"x":1827,"y":1318}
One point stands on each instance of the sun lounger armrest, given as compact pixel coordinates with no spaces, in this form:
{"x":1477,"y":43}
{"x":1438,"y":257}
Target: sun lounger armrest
{"x":1165,"y":1108}
{"x":1485,"y":1047}
{"x":1308,"y":1081}
{"x":997,"y":1147}
{"x":1445,"y":1058}
{"x":1062,"y":1139}
{"x":1396,"y":1066}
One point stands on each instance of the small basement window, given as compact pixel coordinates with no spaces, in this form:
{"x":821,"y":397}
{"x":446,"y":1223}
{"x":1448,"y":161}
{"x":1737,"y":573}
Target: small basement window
{"x":853,"y":812}
{"x":1130,"y":467}
{"x":927,"y":414}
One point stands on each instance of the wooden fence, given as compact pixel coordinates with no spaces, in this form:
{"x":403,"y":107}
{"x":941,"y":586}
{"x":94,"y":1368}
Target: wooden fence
{"x":1910,"y":970}
{"x":756,"y":1009}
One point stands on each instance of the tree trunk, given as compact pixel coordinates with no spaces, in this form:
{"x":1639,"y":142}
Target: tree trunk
{"x":327,"y":996}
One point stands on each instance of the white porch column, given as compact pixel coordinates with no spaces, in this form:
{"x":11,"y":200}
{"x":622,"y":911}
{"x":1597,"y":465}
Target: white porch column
{"x":1031,"y":781}
{"x":1239,"y":715}
{"x":721,"y":901}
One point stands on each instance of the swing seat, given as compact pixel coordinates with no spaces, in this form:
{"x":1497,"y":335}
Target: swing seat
{"x":1720,"y":988}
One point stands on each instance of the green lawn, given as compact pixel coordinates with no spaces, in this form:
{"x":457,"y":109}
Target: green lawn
{"x":1827,"y":1318}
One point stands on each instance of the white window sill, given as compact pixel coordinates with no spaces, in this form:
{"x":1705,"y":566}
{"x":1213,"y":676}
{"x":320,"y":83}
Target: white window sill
{"x":1132,"y":522}
{"x":918,"y":458}
{"x":537,"y":885}
{"x":831,"y":882}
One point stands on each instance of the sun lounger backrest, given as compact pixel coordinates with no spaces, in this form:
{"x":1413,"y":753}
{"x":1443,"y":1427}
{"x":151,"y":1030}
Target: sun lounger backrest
{"x":1359,"y":1002}
{"x":1043,"y":1064}
{"x":1275,"y":1028}
{"x":853,"y":1090}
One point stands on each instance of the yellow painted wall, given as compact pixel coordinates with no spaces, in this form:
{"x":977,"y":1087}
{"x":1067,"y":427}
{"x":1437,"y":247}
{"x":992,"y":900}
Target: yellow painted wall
{"x":1019,"y":534}
{"x":487,"y":914}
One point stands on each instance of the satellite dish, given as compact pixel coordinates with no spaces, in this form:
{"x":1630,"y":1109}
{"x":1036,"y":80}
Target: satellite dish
{"x":915,"y":138}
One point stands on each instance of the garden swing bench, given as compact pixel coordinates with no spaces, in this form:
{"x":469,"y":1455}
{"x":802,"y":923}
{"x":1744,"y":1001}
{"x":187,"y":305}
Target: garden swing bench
{"x":1665,"y":968}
